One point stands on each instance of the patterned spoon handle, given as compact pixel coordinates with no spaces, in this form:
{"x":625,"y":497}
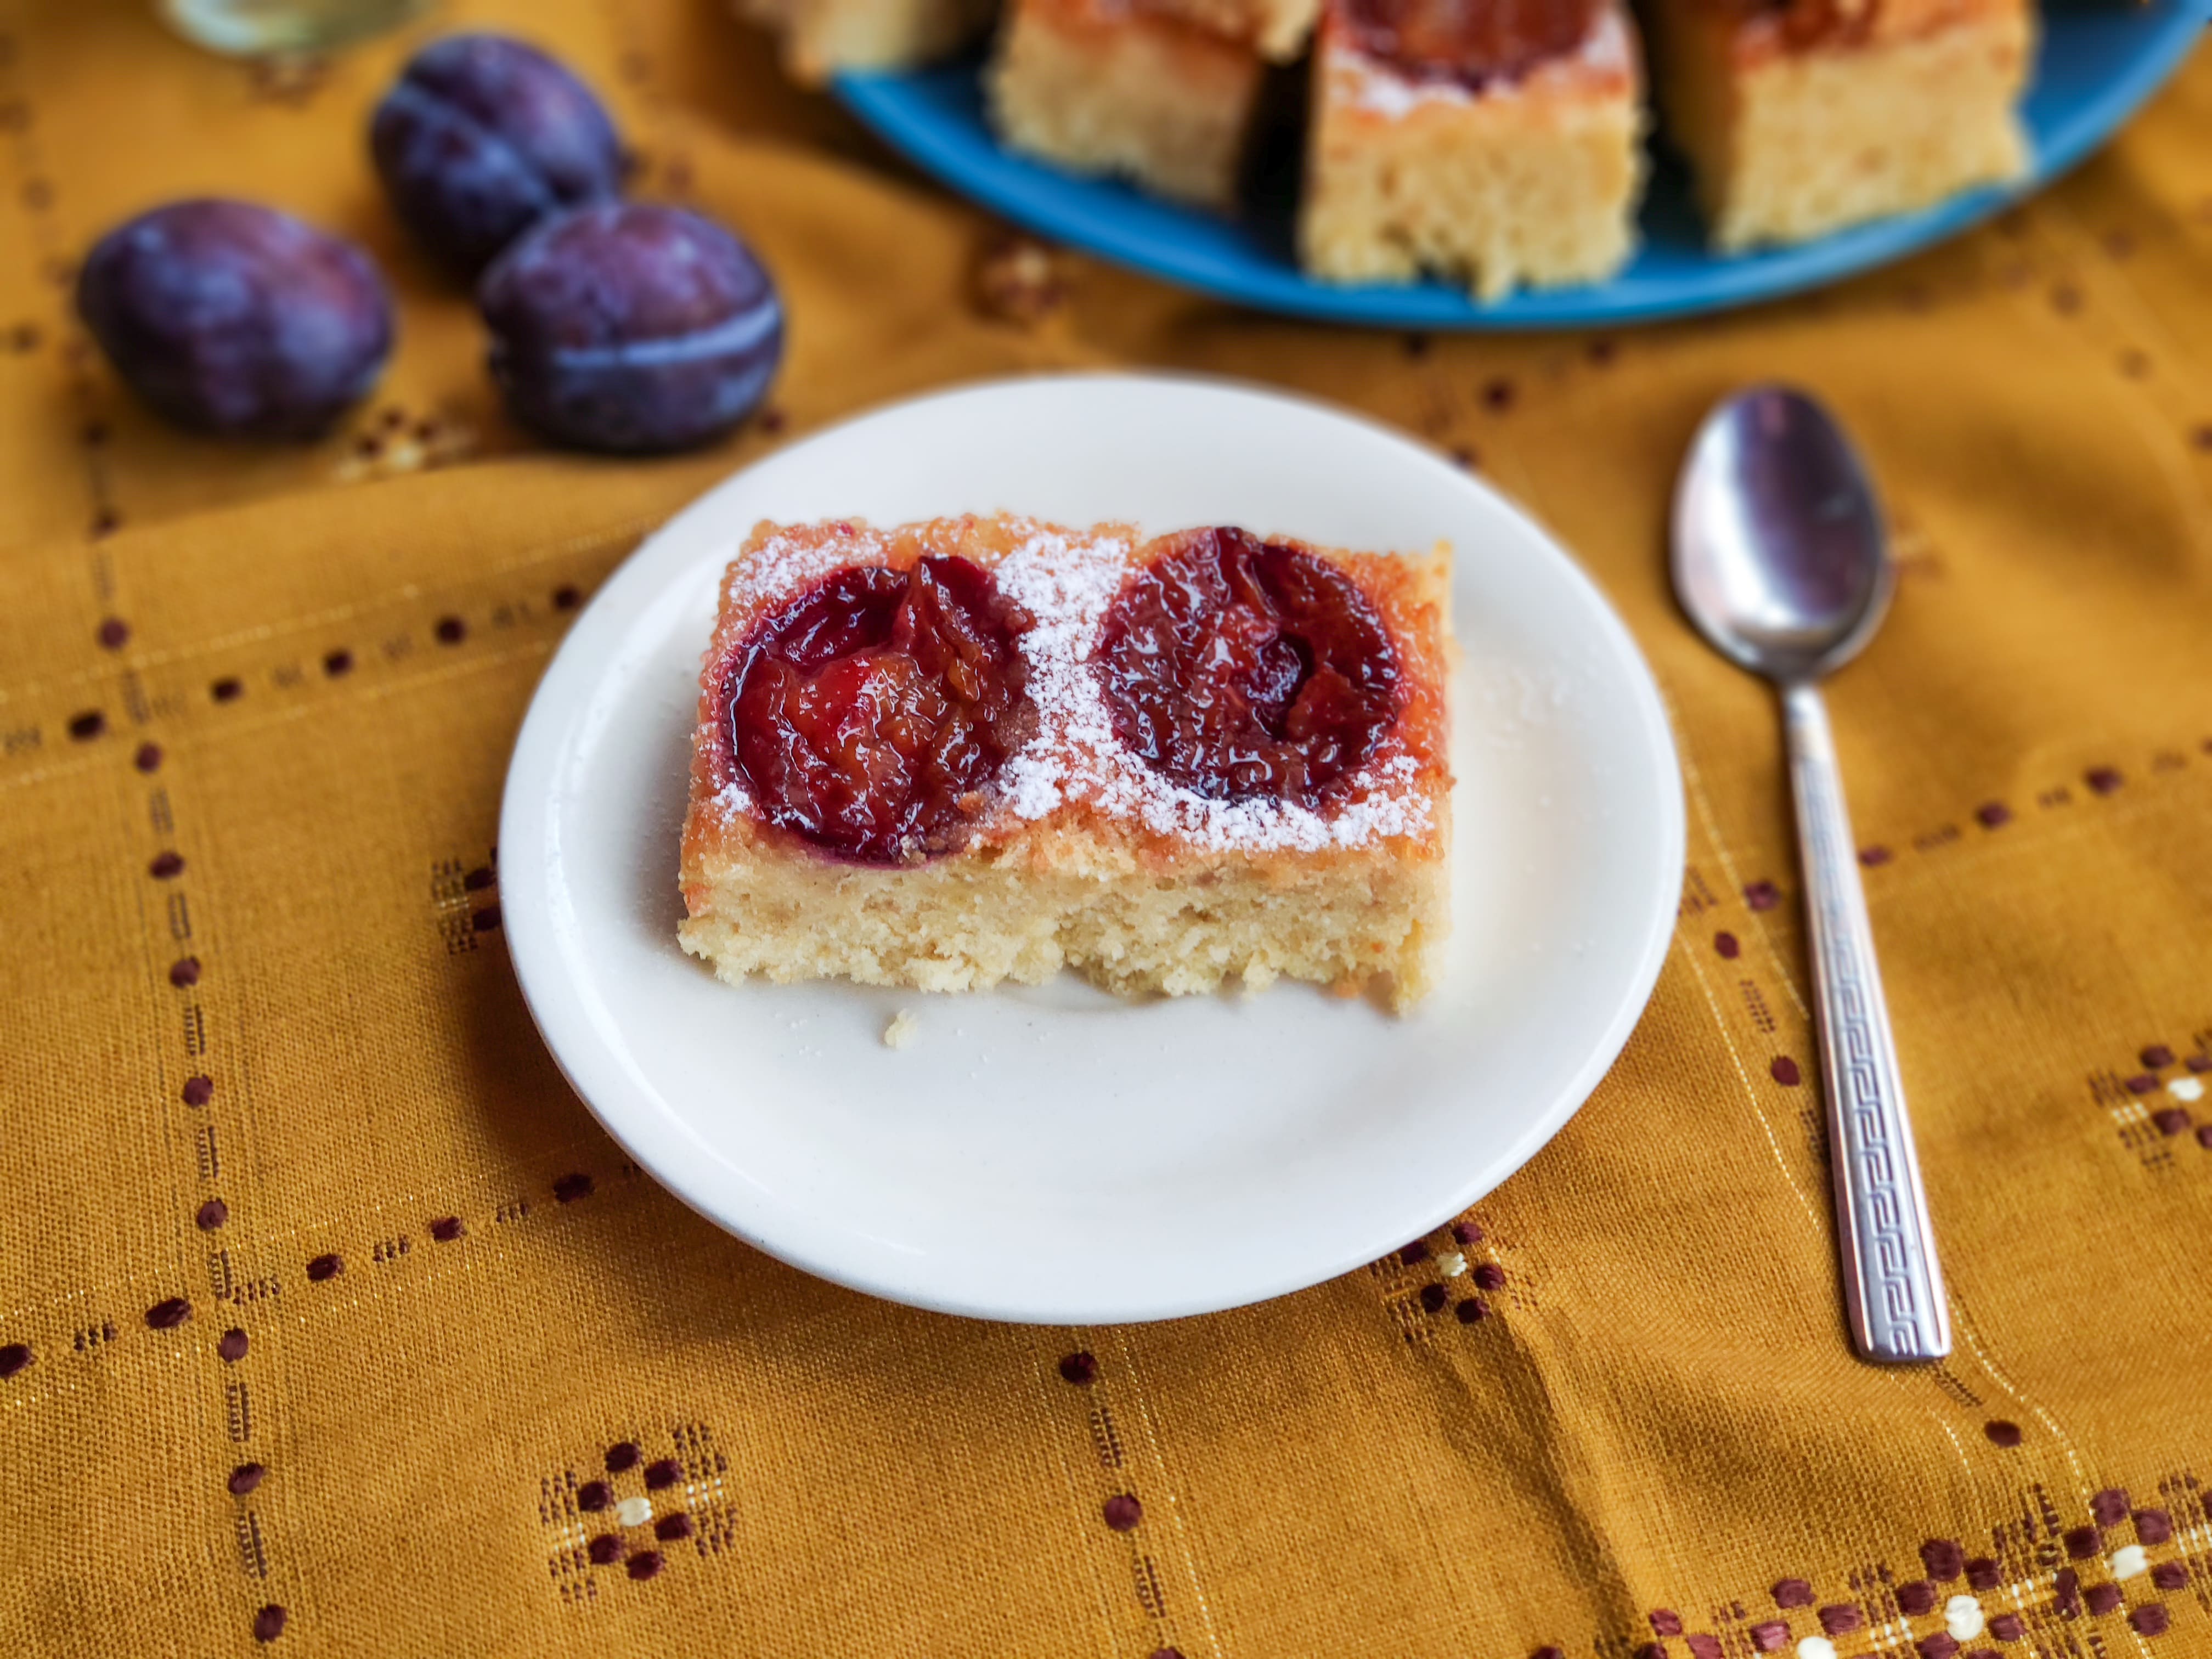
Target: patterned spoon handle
{"x":1891,"y":1279}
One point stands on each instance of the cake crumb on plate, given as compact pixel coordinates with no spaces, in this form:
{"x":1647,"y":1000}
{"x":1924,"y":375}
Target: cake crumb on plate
{"x":900,"y":1032}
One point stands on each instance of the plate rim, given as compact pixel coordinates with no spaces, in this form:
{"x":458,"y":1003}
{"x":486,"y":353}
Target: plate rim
{"x":541,"y":742}
{"x":1026,"y":192}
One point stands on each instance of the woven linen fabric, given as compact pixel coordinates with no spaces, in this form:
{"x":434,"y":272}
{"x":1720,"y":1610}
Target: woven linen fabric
{"x":329,"y":1320}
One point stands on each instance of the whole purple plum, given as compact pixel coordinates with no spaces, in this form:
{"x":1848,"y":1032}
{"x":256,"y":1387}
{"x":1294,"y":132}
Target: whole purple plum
{"x":481,"y":137}
{"x":237,"y":319}
{"x":631,"y":328}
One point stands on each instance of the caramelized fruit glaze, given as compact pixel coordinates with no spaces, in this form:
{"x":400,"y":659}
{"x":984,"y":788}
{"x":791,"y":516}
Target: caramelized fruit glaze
{"x":1475,"y":42}
{"x":1244,"y":669}
{"x":871,"y":713}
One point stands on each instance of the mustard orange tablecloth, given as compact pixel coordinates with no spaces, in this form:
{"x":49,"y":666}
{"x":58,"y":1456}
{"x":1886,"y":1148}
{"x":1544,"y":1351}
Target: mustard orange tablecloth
{"x":326,"y":1313}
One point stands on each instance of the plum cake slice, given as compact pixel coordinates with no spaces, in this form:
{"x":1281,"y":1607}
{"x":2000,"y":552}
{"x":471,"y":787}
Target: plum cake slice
{"x":1800,"y":116}
{"x":1134,"y":90}
{"x":972,"y":750}
{"x":1492,"y":142}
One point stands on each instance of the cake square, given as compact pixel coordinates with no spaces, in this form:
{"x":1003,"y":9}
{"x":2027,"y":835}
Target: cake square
{"x":974,"y":750}
{"x":1805,"y":118}
{"x":1104,"y":87}
{"x":819,"y":37}
{"x":1449,"y":139}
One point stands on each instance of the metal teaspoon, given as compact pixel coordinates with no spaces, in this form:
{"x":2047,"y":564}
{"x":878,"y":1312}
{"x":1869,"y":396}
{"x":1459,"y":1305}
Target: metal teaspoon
{"x":1781,"y":559}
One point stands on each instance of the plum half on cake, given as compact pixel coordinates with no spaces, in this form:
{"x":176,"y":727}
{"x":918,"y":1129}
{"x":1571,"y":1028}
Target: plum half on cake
{"x":979,"y":748}
{"x":821,"y":38}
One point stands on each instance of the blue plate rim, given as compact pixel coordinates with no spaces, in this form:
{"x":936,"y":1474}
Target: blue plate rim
{"x":1067,"y":210}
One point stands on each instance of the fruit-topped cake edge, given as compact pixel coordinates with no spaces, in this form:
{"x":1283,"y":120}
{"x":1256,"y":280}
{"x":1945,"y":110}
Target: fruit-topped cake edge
{"x":856,"y":819}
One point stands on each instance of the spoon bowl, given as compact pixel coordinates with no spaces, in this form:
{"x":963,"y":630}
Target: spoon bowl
{"x":1781,"y":556}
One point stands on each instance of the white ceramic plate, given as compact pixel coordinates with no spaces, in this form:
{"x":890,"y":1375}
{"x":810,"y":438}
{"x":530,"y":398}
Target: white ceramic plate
{"x":1053,"y":1154}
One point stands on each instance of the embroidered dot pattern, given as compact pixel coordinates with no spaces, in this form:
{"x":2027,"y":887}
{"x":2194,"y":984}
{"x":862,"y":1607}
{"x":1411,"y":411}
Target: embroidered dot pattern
{"x":269,"y":1621}
{"x":1840,"y":1617}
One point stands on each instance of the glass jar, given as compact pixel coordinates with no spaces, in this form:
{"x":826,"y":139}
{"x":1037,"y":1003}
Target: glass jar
{"x":259,"y":29}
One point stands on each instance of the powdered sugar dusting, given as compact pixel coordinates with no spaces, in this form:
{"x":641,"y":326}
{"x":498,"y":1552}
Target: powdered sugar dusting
{"x":1066,"y":581}
{"x":784,"y":563}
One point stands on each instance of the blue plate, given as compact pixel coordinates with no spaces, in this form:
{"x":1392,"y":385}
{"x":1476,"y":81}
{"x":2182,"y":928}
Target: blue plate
{"x":2099,"y":60}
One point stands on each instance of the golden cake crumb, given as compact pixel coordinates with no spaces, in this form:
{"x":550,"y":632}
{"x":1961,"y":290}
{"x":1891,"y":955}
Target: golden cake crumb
{"x":1077,"y":852}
